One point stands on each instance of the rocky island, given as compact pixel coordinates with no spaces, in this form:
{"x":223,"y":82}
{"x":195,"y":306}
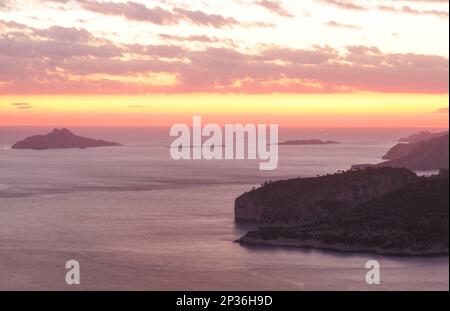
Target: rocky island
{"x":383,"y":210}
{"x":60,"y":138}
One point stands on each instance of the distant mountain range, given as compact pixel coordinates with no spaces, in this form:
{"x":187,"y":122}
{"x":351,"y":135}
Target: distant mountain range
{"x":430,"y":154}
{"x":60,"y":138}
{"x":421,"y":136}
{"x":425,"y":152}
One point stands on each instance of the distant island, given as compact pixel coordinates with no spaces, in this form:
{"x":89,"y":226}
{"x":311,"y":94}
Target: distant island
{"x":60,"y":138}
{"x":425,"y":152}
{"x":382,"y":210}
{"x":308,"y":142}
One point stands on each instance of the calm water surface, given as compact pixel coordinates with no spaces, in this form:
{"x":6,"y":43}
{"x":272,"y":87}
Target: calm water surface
{"x":137,"y":220}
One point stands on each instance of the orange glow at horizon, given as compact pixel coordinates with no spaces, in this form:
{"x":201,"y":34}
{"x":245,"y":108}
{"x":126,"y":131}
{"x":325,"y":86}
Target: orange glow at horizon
{"x":288,"y":110}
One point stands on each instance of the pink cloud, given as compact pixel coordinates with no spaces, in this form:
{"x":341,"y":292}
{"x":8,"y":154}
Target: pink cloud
{"x":139,"y":12}
{"x":132,"y":11}
{"x":335,"y":24}
{"x":64,"y":34}
{"x":345,"y":4}
{"x":406,"y":9}
{"x":192,"y":38}
{"x":409,"y":10}
{"x":274,"y":7}
{"x":47,"y":60}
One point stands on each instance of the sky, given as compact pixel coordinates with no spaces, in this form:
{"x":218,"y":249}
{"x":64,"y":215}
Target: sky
{"x":305,"y":63}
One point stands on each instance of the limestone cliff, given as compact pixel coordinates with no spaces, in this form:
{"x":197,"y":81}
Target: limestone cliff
{"x":411,"y":220}
{"x":308,"y":200}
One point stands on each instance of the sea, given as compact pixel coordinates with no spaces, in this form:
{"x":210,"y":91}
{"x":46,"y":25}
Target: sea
{"x":135,"y":219}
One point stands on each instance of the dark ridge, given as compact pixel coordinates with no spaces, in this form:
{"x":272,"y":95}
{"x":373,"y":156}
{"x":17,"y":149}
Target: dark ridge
{"x":410,"y":220}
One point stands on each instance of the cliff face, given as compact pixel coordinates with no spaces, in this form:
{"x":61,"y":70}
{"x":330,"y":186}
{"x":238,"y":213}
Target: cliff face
{"x":411,"y":220}
{"x":60,"y":138}
{"x":399,"y":151}
{"x":310,"y":200}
